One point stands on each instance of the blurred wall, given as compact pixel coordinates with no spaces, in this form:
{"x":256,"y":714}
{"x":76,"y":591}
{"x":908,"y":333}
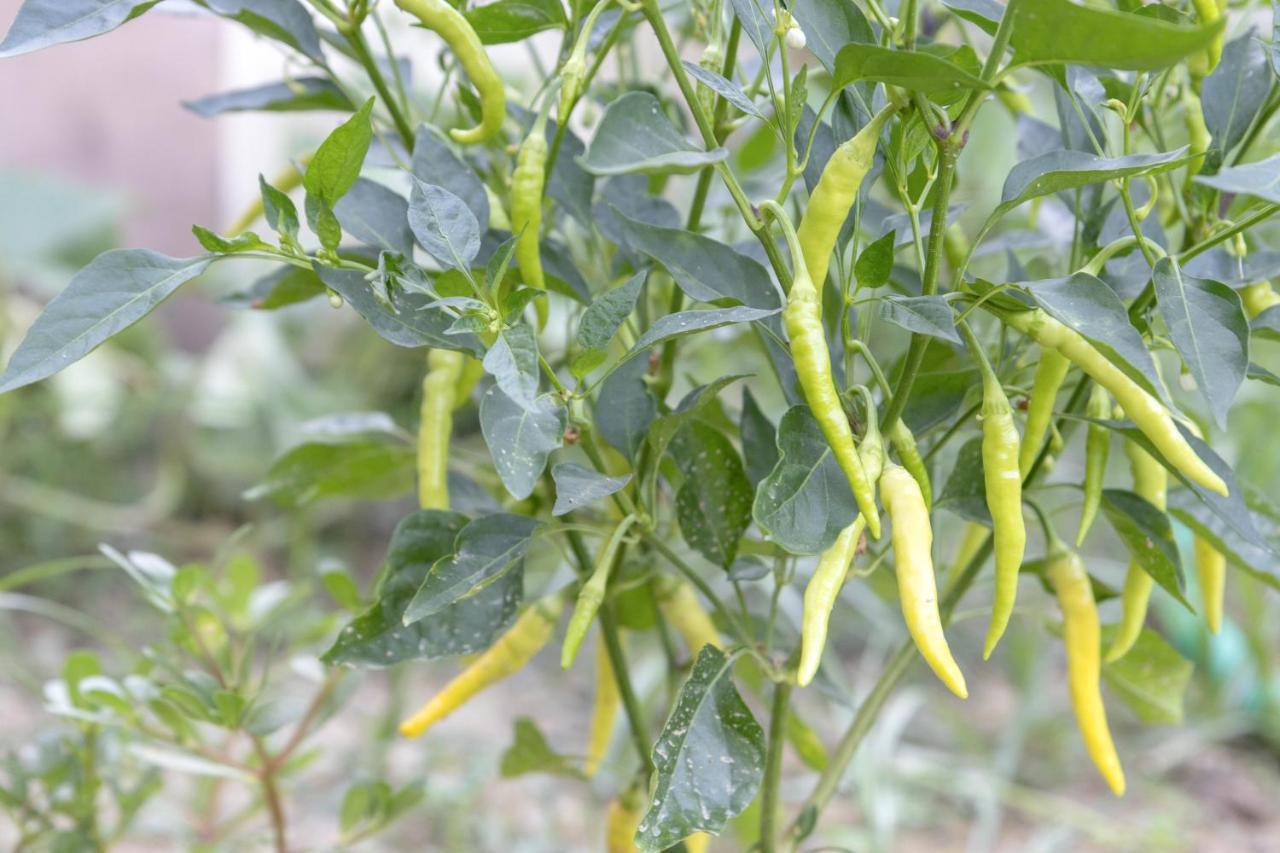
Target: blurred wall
{"x":108,"y":112}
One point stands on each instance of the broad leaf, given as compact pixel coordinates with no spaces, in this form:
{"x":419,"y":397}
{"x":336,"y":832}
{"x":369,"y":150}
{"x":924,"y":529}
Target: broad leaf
{"x":378,"y":637}
{"x":286,"y":21}
{"x":1066,"y":169}
{"x":520,"y":439}
{"x":376,"y":216}
{"x":411,"y":322}
{"x":713,"y":504}
{"x":1207,"y":323}
{"x":759,"y":440}
{"x":1232,"y":95}
{"x":443,"y":225}
{"x":435,"y":163}
{"x":515,"y":20}
{"x":671,"y":326}
{"x":1147,"y":534}
{"x":601,"y":320}
{"x":726,"y":89}
{"x":805,"y":501}
{"x":369,"y":468}
{"x":44,"y":23}
{"x":828,"y":26}
{"x":635,"y":135}
{"x":1260,"y":179}
{"x":1151,"y":678}
{"x":530,"y":753}
{"x":928,"y":315}
{"x":302,"y":94}
{"x":706,"y":269}
{"x":336,"y":164}
{"x":577,"y":486}
{"x":1061,"y":31}
{"x":708,"y":761}
{"x":1260,"y":562}
{"x":117,"y":289}
{"x":908,"y":69}
{"x":965,"y":492}
{"x":626,"y":407}
{"x":512,"y":360}
{"x":485,"y":550}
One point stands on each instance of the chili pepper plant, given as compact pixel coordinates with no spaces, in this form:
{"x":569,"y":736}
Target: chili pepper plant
{"x":725,"y":320}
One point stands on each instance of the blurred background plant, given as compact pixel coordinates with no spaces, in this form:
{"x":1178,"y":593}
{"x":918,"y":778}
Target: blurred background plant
{"x":188,"y":709}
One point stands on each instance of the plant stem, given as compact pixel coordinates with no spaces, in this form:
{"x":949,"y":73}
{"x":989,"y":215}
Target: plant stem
{"x":271,"y":795}
{"x":773,"y":767}
{"x":359,"y":47}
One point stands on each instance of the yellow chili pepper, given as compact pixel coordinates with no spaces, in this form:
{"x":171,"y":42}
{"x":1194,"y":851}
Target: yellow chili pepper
{"x":508,"y":655}
{"x":1150,"y":482}
{"x":1097,"y":449}
{"x":912,"y":543}
{"x":1003,"y":481}
{"x":621,"y":822}
{"x":833,"y":197}
{"x":803,"y":319}
{"x":820,"y":596}
{"x":453,"y":27}
{"x":909,"y":455}
{"x":439,"y":396}
{"x":1258,"y":297}
{"x":1146,"y":412}
{"x":1050,"y":372}
{"x":680,"y":607}
{"x":1211,"y":571}
{"x":603,"y":712}
{"x":1081,"y":635}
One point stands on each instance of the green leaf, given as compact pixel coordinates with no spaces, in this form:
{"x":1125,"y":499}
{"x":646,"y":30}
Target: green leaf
{"x":44,"y":23}
{"x":368,"y":468}
{"x":117,"y":289}
{"x":1260,"y":179}
{"x":1061,"y":31}
{"x":671,"y":326}
{"x":664,"y":429}
{"x":279,"y":211}
{"x":984,"y":14}
{"x":444,"y":225}
{"x":713,"y":504}
{"x":928,"y":315}
{"x":577,"y":486}
{"x":378,"y":637}
{"x":709,"y":759}
{"x":1207,"y":323}
{"x":512,"y":361}
{"x":215,"y":243}
{"x":704,"y":268}
{"x":1233,"y":94}
{"x":726,"y":89}
{"x":285,"y":21}
{"x":485,"y":550}
{"x":759,"y":440}
{"x":412,"y":322}
{"x":530,"y":753}
{"x":376,"y":216}
{"x":875,"y":264}
{"x":1147,"y":534}
{"x":435,"y":163}
{"x":1066,"y":169}
{"x":1258,"y":561}
{"x":828,"y":26}
{"x":520,"y":438}
{"x":913,"y":70}
{"x":515,"y":20}
{"x":805,"y":501}
{"x":625,"y":407}
{"x":635,"y":135}
{"x":1151,"y":678}
{"x":336,"y":164}
{"x":601,"y":320}
{"x":297,"y":95}
{"x":965,"y":492}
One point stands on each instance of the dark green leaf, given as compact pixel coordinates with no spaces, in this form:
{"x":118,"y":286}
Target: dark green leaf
{"x":1232,"y":95}
{"x":512,"y":360}
{"x":625,"y":407}
{"x":378,"y":637}
{"x":286,"y":286}
{"x":336,"y":164}
{"x":1062,"y":31}
{"x":713,"y":504}
{"x":928,"y":315}
{"x":965,"y":492}
{"x":1063,"y":170}
{"x":219,"y":245}
{"x":759,"y":440}
{"x":1259,"y":180}
{"x":828,"y":26}
{"x":706,"y":269}
{"x":434,"y":163}
{"x":443,"y":225}
{"x":520,"y":439}
{"x":485,"y":550}
{"x":577,"y":486}
{"x":1267,"y":324}
{"x":515,"y":20}
{"x":368,"y":468}
{"x":301,"y":94}
{"x":913,"y":70}
{"x":1207,"y":323}
{"x":376,"y":216}
{"x":412,"y":322}
{"x":117,"y":289}
{"x":279,"y":211}
{"x":805,"y":501}
{"x":1147,"y":534}
{"x":1151,"y":678}
{"x":1249,"y":556}
{"x":609,"y":311}
{"x":678,"y":325}
{"x":708,"y":761}
{"x":635,"y":135}
{"x":875,"y":264}
{"x":44,"y":23}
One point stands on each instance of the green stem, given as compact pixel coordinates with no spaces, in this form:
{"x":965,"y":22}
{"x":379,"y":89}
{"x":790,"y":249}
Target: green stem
{"x":360,"y":48}
{"x":778,"y":714}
